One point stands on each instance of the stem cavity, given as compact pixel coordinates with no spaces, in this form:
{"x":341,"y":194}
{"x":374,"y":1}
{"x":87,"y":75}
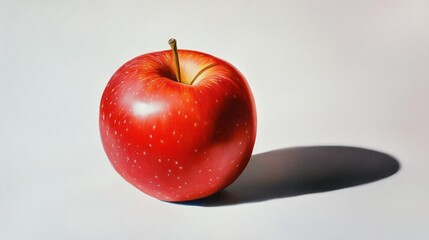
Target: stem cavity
{"x":201,"y":72}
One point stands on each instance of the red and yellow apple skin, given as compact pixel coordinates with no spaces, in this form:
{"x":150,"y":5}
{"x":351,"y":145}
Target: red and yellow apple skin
{"x":178,"y":141}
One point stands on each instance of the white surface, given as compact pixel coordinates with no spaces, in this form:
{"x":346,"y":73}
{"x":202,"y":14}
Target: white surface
{"x":350,"y":73}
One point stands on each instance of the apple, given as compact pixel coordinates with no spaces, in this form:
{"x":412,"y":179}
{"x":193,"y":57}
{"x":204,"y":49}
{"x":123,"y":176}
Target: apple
{"x":178,"y":124}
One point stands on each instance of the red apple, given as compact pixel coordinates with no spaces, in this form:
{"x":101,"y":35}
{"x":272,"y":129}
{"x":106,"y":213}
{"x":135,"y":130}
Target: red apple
{"x":178,"y":130}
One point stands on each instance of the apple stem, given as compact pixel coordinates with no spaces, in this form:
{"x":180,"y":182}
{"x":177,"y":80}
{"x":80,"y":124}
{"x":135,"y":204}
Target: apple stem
{"x":173,"y":46}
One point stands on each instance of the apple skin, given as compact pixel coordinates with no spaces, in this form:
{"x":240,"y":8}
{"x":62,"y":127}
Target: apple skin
{"x":178,"y":141}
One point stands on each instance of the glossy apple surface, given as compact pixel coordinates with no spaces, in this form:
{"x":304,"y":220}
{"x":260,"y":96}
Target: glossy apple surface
{"x":178,"y":141}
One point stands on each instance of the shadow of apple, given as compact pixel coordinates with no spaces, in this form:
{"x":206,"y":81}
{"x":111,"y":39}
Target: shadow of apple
{"x":303,"y":170}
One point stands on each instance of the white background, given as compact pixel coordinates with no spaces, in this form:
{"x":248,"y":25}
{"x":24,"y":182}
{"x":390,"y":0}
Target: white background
{"x":352,"y":73}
